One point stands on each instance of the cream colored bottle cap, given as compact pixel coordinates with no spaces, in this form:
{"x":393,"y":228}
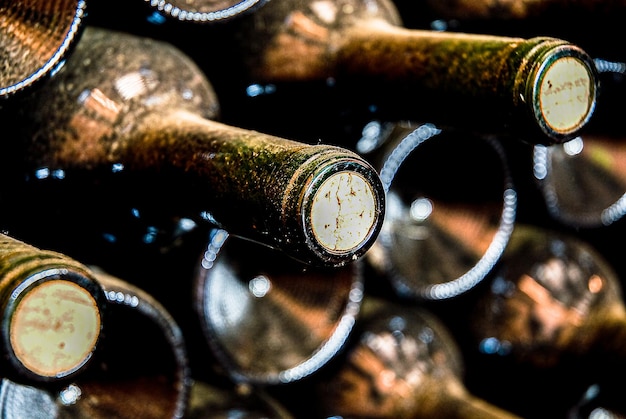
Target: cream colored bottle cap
{"x":343,"y":212}
{"x":55,"y":327}
{"x":566,"y":94}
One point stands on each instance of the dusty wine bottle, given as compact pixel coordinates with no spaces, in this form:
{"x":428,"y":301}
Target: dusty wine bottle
{"x":35,"y":37}
{"x":402,"y":363}
{"x":268,"y":319}
{"x":541,"y":89}
{"x":451,"y":208}
{"x":51,"y":313}
{"x":140,"y":371}
{"x":137,"y":112}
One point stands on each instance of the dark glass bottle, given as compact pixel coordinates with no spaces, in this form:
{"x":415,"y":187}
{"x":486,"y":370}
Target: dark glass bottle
{"x":35,"y":38}
{"x":542,"y":90}
{"x":132,"y":116}
{"x":52,"y":314}
{"x":402,"y":363}
{"x":140,"y":371}
{"x":268,"y":319}
{"x":552,"y":314}
{"x":451,"y":208}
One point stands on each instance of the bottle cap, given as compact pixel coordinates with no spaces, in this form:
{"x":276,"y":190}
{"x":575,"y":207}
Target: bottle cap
{"x":55,"y":324}
{"x":562,"y":88}
{"x":343,"y":211}
{"x":342,"y":205}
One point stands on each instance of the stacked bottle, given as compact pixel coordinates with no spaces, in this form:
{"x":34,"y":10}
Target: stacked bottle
{"x":297,"y":231}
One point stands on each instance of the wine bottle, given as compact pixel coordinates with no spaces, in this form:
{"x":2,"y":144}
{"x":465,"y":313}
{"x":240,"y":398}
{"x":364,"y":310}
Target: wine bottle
{"x":140,"y":371}
{"x":402,"y":363}
{"x":52,"y":314}
{"x":552,"y":314}
{"x":268,"y":319}
{"x":203,"y":11}
{"x":583,"y":181}
{"x":35,"y":38}
{"x":133,"y":116}
{"x":451,"y":207}
{"x":542,"y":89}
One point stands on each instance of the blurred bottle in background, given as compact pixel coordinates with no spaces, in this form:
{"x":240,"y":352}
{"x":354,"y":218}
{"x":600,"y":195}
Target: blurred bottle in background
{"x":204,"y":11}
{"x":401,"y":362}
{"x":551,"y":315}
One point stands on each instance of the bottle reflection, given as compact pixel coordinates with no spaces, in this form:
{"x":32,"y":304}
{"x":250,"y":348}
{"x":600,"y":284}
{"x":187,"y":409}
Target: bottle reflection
{"x":450,"y":210}
{"x":271,"y":320}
